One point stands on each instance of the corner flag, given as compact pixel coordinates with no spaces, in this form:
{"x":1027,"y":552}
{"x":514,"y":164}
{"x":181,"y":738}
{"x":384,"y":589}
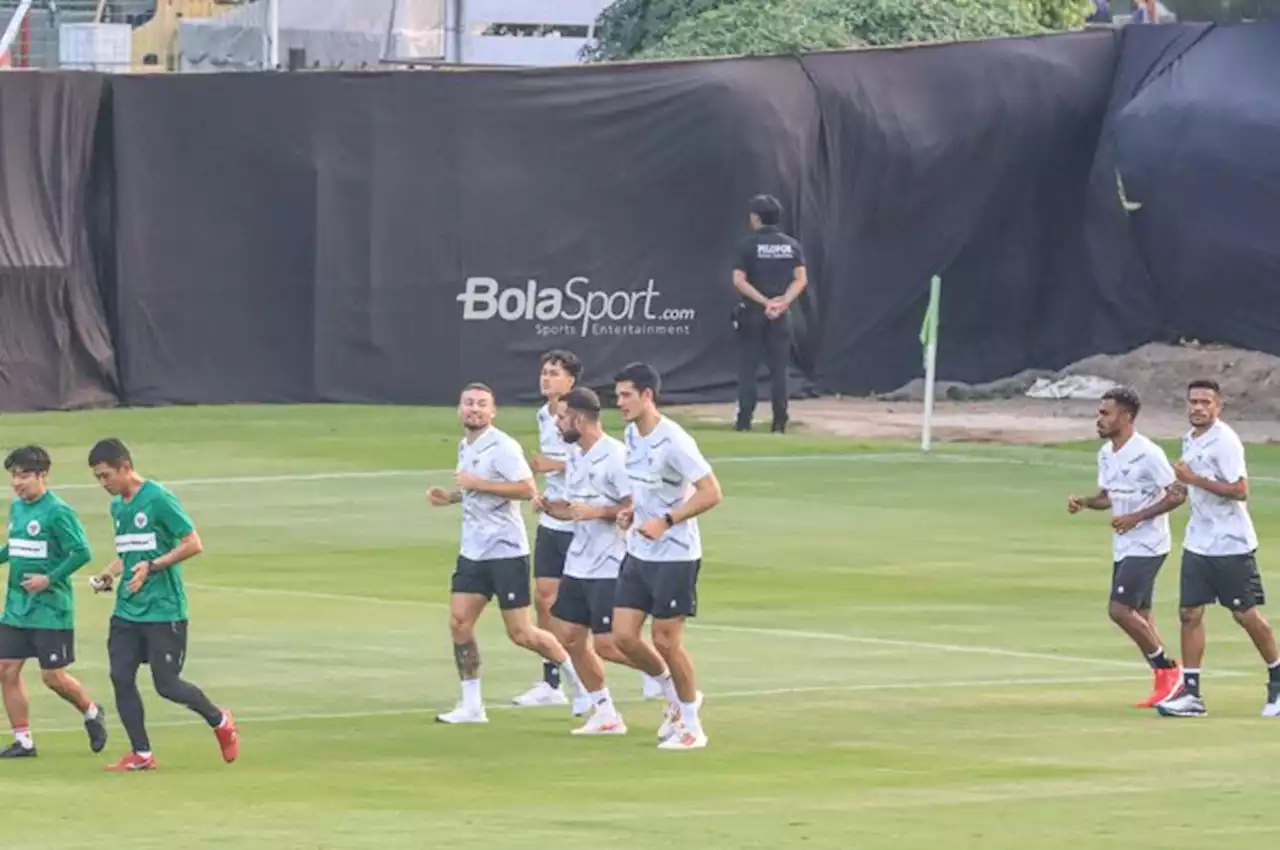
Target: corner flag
{"x":929,"y":343}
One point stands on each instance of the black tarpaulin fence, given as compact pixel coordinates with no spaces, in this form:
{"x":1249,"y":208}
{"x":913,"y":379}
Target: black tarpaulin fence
{"x":386,"y":237}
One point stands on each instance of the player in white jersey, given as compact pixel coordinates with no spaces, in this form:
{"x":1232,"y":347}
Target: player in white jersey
{"x":671,"y":485}
{"x":492,"y":478}
{"x":559,"y":372}
{"x":598,"y":488}
{"x":1137,"y":483}
{"x":1218,"y":553}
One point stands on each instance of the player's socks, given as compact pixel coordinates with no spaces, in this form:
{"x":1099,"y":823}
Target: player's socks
{"x":93,"y":712}
{"x":1159,"y":661}
{"x":471,"y":695}
{"x":23,"y":737}
{"x":689,"y":716}
{"x":551,"y":674}
{"x":603,"y":702}
{"x":1273,"y":672}
{"x":668,"y":688}
{"x":572,"y":673}
{"x":1191,"y":681}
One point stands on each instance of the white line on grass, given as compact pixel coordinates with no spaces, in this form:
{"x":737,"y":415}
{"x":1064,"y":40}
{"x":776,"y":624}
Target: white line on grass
{"x":714,"y":627}
{"x":747,"y":694}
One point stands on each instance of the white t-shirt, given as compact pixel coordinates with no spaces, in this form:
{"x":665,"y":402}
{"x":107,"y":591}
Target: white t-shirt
{"x":492,"y":527}
{"x":662,"y":468}
{"x":1217,"y":526}
{"x":1135,"y":477}
{"x":598,"y":478}
{"x":553,"y":447}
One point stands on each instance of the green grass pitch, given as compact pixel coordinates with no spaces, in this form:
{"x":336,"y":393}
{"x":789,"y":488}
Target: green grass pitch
{"x":898,"y":651}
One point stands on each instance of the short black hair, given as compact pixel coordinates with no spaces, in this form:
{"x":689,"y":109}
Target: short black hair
{"x":1204,"y":384}
{"x":767,"y":208}
{"x":480,"y":385}
{"x":566,"y":360}
{"x":1125,"y":398}
{"x":111,"y":451}
{"x":583,"y":400}
{"x":642,"y":376}
{"x":28,"y":459}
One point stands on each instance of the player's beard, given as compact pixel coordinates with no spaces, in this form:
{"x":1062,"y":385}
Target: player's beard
{"x":573,"y":435}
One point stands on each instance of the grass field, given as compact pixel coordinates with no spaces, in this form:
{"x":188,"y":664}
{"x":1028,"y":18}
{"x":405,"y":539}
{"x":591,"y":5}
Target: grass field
{"x":898,"y":652}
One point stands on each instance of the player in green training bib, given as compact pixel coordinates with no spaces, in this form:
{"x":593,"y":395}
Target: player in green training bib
{"x":154,"y":536}
{"x":46,"y":544}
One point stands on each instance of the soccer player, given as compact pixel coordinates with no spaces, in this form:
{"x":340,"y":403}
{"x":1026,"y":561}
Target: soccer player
{"x":154,"y":537}
{"x":560,"y":370}
{"x":597,"y":489}
{"x":46,"y":545}
{"x":492,"y":478}
{"x":1137,"y":483}
{"x":1218,"y":553}
{"x":671,"y":485}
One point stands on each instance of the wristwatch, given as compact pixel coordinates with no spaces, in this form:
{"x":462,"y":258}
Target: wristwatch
{"x":670,"y":522}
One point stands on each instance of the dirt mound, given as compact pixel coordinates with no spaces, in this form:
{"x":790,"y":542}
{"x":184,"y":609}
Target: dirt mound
{"x":1250,"y":380}
{"x":1000,"y":411}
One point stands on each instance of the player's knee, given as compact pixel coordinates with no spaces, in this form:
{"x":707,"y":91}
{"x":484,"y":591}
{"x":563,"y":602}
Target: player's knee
{"x":168,"y":685}
{"x":1190,"y":616}
{"x":1119,"y":612}
{"x":461,"y":629}
{"x":123,"y":677}
{"x":607,"y":648}
{"x":524,"y":637}
{"x":666,"y":641}
{"x":1248,"y":616}
{"x":10,"y":672}
{"x":54,"y":680}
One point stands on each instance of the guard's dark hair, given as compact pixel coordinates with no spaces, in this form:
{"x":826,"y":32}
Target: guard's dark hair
{"x":1204,"y":384}
{"x":1125,"y":398}
{"x":768,"y":209}
{"x":483,"y":387}
{"x":566,"y":360}
{"x":114,"y":453}
{"x":31,"y":459}
{"x":642,"y":376}
{"x":583,"y":400}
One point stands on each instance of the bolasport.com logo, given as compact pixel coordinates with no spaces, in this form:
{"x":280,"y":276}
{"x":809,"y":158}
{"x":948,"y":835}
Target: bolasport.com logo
{"x":576,"y":308}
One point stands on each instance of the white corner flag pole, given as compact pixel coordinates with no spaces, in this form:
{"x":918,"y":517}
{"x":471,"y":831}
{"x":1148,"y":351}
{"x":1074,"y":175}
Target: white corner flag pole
{"x":929,"y":339}
{"x":271,"y":36}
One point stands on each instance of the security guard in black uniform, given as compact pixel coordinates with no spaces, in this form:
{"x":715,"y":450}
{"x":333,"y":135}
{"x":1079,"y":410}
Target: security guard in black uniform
{"x":770,"y":274}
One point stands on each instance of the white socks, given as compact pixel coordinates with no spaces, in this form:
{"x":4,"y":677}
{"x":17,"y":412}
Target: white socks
{"x":23,"y":737}
{"x":471,"y":695}
{"x":603,"y":703}
{"x":568,"y":671}
{"x":668,"y":688}
{"x":92,"y":713}
{"x":689,"y":717}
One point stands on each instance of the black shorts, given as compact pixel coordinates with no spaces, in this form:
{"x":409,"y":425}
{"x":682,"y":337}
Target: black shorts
{"x":662,"y":589}
{"x":1133,"y":580}
{"x":1232,"y":580}
{"x":505,"y":578}
{"x":550,"y":548}
{"x":53,"y":648}
{"x":162,"y":645}
{"x":586,"y":602}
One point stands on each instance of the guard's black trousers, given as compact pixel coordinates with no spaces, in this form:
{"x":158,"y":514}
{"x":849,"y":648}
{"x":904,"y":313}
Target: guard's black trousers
{"x":760,"y":338}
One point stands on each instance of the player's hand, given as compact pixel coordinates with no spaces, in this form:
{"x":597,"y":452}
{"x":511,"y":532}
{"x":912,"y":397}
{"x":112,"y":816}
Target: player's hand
{"x":138,"y":576}
{"x":653,"y":529}
{"x":1184,"y":473}
{"x":625,"y":517}
{"x":1074,"y":504}
{"x":540,"y":463}
{"x":469,"y":481}
{"x":1124,"y":524}
{"x":539,"y":502}
{"x":102,"y":583}
{"x":775,"y":308}
{"x":438,"y":496}
{"x":580,"y":511}
{"x":35,"y":583}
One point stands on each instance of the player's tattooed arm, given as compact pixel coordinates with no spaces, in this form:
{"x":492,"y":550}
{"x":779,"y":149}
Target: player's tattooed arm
{"x":1099,"y":501}
{"x":467,"y":657}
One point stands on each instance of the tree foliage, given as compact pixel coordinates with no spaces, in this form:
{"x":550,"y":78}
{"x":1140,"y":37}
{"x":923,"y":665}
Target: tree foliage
{"x":651,"y":29}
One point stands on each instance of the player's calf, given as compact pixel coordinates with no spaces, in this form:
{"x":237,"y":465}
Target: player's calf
{"x":69,"y":688}
{"x":17,"y":706}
